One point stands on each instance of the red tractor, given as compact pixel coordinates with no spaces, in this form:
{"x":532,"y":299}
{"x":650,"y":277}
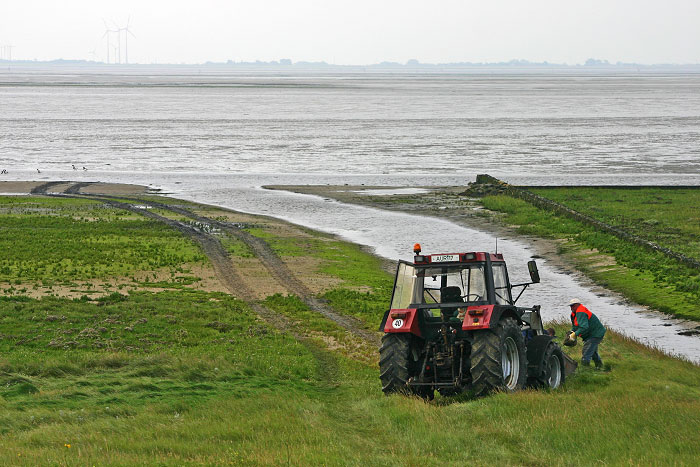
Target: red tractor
{"x":454,"y":326}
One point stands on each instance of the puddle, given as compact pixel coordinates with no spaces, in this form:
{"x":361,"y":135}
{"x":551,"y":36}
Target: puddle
{"x":391,"y":191}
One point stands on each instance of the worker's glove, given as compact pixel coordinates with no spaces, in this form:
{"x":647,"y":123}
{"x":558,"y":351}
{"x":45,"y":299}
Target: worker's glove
{"x":570,"y":339}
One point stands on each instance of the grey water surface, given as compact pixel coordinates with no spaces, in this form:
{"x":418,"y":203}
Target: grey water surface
{"x":426,"y":124}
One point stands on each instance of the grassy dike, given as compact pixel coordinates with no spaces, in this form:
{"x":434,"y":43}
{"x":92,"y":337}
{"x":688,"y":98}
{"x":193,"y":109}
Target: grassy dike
{"x":102,"y":364}
{"x":669,"y":217}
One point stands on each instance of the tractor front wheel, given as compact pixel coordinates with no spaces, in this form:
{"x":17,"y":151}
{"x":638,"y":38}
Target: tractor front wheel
{"x":397,"y":364}
{"x":498,"y":359}
{"x":552,"y":369}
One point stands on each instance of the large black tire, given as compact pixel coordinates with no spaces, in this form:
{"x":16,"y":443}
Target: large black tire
{"x":397,"y":365}
{"x":499,"y":359}
{"x":552,"y":374}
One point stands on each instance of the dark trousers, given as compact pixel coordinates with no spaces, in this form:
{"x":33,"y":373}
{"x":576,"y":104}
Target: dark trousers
{"x":590,"y":350}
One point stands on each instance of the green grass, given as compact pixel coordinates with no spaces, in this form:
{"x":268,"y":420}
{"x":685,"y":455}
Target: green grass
{"x":236,"y":247}
{"x":339,"y":259}
{"x":71,"y":364}
{"x":667,"y":216}
{"x":347,"y":262}
{"x":175,"y":409}
{"x":647,"y":277}
{"x":64,"y":240}
{"x":185,"y":377}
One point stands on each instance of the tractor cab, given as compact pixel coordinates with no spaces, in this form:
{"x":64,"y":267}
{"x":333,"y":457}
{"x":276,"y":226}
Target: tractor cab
{"x":444,"y":284}
{"x":464,"y":289}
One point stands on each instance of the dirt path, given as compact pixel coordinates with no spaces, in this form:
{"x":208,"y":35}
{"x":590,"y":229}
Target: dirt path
{"x":269,"y":258}
{"x":229,"y":277}
{"x":280,"y":271}
{"x":42,"y":189}
{"x":327,"y":364}
{"x":75,"y":189}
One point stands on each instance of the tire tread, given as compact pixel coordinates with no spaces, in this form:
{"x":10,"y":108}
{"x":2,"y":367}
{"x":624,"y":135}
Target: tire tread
{"x":486,"y":369}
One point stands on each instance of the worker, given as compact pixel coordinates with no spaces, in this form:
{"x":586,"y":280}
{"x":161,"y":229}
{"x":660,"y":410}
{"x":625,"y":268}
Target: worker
{"x":586,"y":325}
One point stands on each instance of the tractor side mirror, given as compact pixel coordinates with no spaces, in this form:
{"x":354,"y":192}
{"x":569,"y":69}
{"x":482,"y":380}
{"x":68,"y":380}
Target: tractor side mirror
{"x":534,"y":273}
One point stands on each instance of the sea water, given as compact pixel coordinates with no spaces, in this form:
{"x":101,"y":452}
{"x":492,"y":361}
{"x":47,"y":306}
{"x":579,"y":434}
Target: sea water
{"x":509,"y":125}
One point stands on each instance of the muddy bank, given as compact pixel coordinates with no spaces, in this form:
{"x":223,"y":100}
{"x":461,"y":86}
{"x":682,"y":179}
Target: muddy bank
{"x":9,"y":187}
{"x":448,"y":203}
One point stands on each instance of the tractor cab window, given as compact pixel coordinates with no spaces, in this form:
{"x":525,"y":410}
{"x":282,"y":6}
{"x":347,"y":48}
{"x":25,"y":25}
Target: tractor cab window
{"x":500,"y":284}
{"x":405,"y":290}
{"x":464,"y":283}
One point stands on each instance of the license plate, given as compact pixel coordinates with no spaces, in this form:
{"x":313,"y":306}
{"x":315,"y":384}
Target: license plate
{"x":443,"y":258}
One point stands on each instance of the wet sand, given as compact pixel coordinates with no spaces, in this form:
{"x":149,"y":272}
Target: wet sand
{"x":26,"y":187}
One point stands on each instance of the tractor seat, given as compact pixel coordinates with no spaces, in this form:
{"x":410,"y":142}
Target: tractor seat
{"x":451,"y":294}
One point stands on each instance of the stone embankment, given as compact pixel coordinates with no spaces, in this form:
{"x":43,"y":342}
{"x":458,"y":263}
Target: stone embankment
{"x":488,"y":185}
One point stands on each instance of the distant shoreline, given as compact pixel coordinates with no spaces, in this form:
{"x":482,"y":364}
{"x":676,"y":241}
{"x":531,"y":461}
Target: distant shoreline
{"x":300,"y":68}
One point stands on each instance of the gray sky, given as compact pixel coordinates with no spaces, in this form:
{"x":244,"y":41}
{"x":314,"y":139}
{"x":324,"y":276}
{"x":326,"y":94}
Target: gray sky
{"x":359,"y":31}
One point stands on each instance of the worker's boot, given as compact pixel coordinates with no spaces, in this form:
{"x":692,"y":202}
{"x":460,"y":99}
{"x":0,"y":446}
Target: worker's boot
{"x":586,"y":363}
{"x":598,"y":364}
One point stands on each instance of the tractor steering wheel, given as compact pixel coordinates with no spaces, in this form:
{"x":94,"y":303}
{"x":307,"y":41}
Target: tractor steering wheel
{"x":468,"y":297}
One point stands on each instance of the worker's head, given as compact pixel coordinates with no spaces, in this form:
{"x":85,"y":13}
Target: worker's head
{"x":574,"y":302}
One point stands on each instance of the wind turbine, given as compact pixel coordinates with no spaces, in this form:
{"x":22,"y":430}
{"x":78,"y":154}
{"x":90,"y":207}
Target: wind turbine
{"x":107,"y":34}
{"x":119,"y":40}
{"x":127,"y":31}
{"x":126,"y":38}
{"x":7,"y":52}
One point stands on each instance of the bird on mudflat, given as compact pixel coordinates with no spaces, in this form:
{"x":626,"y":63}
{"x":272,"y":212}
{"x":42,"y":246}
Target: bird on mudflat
{"x":38,"y":171}
{"x":84,"y":168}
{"x":74,"y":167}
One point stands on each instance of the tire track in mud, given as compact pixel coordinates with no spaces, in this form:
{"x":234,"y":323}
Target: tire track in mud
{"x":41,"y":189}
{"x":280,"y":271}
{"x":327,"y":364}
{"x":75,"y":189}
{"x":262,"y":250}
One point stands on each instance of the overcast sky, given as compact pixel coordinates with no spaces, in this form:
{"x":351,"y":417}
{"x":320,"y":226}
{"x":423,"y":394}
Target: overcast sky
{"x":358,"y":31}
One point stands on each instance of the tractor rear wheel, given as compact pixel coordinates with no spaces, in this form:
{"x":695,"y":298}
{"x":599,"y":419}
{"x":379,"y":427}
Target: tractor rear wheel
{"x":397,"y":364}
{"x":499,"y":359}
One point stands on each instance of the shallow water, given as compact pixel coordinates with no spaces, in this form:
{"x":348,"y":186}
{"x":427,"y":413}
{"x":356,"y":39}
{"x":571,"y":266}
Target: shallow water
{"x":362,"y":123}
{"x":392,"y":191}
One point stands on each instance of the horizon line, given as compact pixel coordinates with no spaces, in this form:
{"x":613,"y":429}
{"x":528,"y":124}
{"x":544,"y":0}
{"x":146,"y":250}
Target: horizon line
{"x":412,"y":63}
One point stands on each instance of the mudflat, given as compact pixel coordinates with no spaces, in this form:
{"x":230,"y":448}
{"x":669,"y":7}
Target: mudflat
{"x":26,"y":187}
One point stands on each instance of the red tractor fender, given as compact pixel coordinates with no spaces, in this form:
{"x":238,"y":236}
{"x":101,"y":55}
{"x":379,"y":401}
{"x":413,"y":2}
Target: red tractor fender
{"x":486,"y":316}
{"x":402,"y":321}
